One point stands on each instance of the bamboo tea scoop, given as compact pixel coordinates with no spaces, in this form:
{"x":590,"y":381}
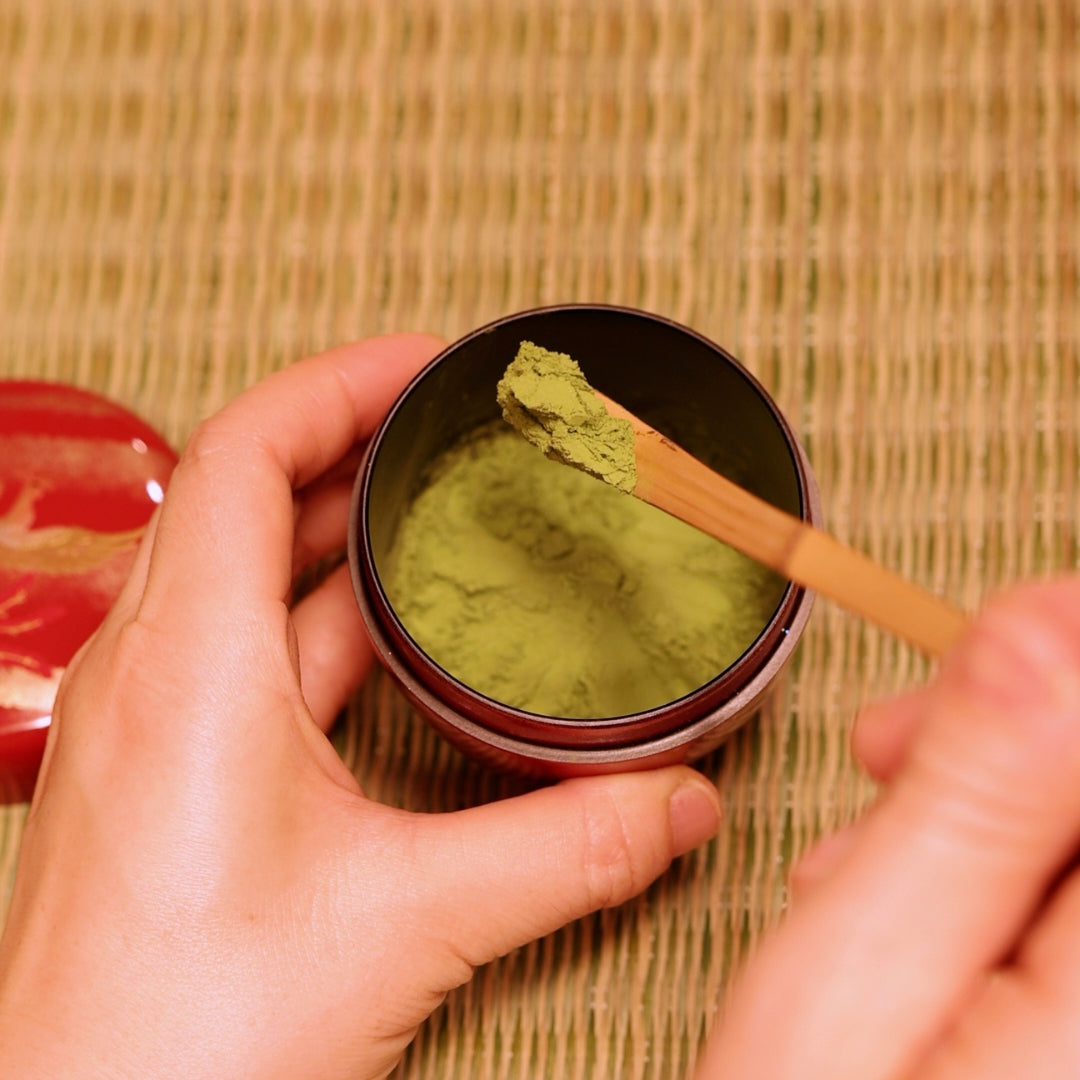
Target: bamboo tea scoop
{"x":670,"y":478}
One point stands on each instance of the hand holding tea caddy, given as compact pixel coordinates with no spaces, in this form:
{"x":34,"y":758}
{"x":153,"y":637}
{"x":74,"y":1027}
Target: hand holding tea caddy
{"x":235,"y":907}
{"x":203,"y":890}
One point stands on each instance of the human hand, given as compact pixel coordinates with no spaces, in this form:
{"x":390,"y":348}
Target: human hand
{"x":939,"y":937}
{"x":203,"y":890}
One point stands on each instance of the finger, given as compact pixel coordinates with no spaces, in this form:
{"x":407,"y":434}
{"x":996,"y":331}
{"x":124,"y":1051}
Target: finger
{"x":322,"y":511}
{"x":884,"y":732}
{"x":945,"y":873}
{"x":1011,"y":1034}
{"x":322,"y":524}
{"x":1051,"y":951}
{"x":821,"y":861}
{"x":335,"y":653}
{"x":1025,"y":1014}
{"x":225,"y":539}
{"x":342,"y":471}
{"x":500,"y":875}
{"x":1015,"y":1025}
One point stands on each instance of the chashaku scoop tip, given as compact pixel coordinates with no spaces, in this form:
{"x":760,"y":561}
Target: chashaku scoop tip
{"x":545,"y":396}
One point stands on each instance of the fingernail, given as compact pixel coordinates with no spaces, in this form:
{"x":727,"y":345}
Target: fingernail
{"x":822,"y":860}
{"x":694,"y":813}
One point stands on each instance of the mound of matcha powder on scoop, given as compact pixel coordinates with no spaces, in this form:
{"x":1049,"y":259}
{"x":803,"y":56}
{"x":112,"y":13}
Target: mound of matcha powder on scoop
{"x":546,"y":397}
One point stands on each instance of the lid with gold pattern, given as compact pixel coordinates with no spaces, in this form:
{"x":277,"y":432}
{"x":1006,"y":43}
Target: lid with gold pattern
{"x":79,"y":479}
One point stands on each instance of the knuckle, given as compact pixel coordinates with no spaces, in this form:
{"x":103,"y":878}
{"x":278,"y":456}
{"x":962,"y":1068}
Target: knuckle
{"x":612,"y":865}
{"x":1001,"y":750}
{"x":120,"y":667}
{"x":221,"y":454}
{"x":93,"y":700}
{"x":1024,"y":655}
{"x":205,"y":442}
{"x":210,"y":444}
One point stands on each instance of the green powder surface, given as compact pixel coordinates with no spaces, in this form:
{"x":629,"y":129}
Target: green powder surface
{"x":545,"y":590}
{"x":545,"y":396}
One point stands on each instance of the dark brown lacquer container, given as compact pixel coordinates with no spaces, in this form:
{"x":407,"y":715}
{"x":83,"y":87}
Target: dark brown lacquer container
{"x":681,"y":384}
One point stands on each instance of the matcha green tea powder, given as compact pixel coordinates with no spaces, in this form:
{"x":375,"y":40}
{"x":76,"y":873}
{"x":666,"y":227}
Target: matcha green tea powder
{"x":546,"y":397}
{"x":541,"y":588}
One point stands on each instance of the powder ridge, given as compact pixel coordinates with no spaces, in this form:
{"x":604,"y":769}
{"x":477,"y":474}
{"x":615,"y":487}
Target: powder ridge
{"x":552,"y":593}
{"x":546,"y":397}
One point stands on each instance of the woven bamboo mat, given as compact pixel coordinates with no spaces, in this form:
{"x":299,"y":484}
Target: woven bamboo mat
{"x":875,"y":205}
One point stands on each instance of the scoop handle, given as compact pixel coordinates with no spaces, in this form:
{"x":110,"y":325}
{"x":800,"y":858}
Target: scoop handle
{"x":672,"y":479}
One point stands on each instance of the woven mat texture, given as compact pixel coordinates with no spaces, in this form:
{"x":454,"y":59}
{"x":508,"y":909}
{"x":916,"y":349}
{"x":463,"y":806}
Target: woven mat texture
{"x":874,"y":205}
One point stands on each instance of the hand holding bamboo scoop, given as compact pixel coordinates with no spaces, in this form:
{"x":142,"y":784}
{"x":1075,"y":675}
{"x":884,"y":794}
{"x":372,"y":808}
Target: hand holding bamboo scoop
{"x":546,"y":397}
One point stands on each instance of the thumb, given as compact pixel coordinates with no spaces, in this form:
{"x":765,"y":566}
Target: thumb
{"x":506,"y":873}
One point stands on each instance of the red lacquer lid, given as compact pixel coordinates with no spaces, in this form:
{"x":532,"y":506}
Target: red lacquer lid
{"x":79,"y":479}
